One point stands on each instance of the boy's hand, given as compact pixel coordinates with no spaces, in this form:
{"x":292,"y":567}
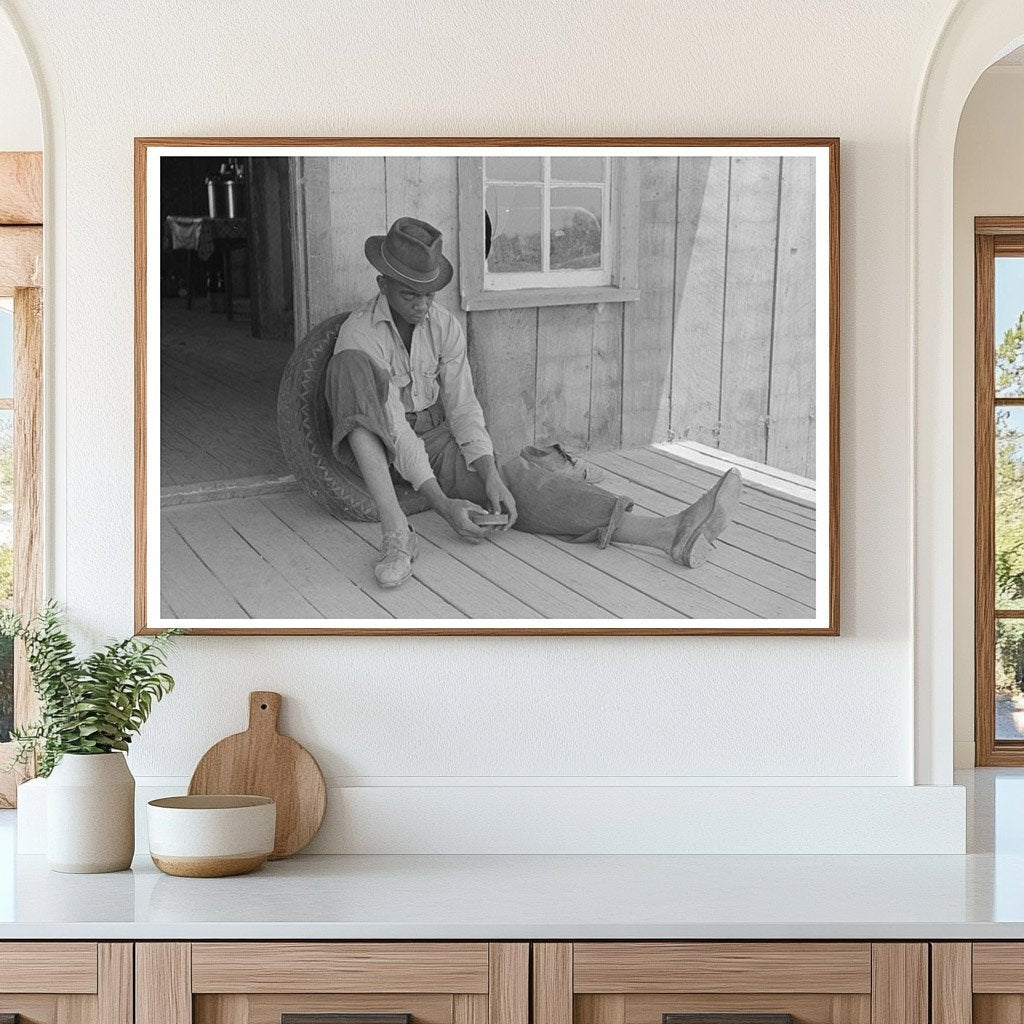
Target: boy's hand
{"x":456,"y":511}
{"x":499,"y":497}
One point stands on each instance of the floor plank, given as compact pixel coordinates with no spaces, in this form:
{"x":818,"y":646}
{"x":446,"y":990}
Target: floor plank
{"x":260,"y":589}
{"x":621,"y":600}
{"x":444,"y":574}
{"x":773,"y":524}
{"x":332,"y":593}
{"x":684,"y":596}
{"x":738,"y":534}
{"x":531,"y":585}
{"x":351,"y":554}
{"x":758,"y":496}
{"x":749,"y":565}
{"x":192,"y":591}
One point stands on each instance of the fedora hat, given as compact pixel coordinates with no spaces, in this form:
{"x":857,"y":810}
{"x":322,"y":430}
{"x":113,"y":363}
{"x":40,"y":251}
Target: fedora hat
{"x":410,"y":253}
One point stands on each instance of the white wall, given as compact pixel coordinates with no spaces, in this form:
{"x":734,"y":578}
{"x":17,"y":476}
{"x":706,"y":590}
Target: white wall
{"x":21,"y":126}
{"x":987,"y":182}
{"x":436,"y":712}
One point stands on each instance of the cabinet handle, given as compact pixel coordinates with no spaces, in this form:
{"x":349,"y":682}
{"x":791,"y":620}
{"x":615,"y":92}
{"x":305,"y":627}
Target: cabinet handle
{"x":337,"y":1018}
{"x":727,"y":1018}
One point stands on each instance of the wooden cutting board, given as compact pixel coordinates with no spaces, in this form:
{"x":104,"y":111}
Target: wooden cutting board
{"x":262,"y":762}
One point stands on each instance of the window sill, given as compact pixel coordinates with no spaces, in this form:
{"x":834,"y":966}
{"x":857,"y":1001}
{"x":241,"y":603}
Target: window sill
{"x":520,"y":298}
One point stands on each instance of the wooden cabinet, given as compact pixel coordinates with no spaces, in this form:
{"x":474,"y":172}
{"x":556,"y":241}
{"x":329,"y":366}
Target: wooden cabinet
{"x":263,"y":982}
{"x":760,"y":982}
{"x":977,"y":983}
{"x":66,"y":982}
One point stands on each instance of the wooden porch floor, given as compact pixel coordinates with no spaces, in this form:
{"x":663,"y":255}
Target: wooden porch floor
{"x":278,"y":555}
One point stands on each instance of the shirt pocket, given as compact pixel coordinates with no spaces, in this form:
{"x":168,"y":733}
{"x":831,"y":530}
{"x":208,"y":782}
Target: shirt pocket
{"x":426,"y":384}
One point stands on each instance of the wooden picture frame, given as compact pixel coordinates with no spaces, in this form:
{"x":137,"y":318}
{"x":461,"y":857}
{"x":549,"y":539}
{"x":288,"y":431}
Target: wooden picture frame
{"x":725,"y":258}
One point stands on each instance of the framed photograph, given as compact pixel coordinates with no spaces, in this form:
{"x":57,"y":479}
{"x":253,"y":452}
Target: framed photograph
{"x":499,"y":386}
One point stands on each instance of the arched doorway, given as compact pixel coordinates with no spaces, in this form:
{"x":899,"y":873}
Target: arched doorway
{"x":976,"y":34}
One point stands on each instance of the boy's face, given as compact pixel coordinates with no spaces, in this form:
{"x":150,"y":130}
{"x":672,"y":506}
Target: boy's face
{"x":410,"y":305}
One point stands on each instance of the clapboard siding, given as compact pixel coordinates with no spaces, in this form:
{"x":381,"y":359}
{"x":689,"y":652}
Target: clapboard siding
{"x":718,"y":349}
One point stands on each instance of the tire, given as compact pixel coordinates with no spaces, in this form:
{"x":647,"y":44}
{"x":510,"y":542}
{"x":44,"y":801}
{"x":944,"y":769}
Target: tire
{"x":304,"y":426}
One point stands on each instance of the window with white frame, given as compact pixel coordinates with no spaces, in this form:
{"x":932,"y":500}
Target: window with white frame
{"x":548,"y":221}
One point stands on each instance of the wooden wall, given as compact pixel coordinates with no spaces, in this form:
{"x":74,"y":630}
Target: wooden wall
{"x":719,"y":348}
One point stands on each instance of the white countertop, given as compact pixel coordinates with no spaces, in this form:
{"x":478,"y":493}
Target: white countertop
{"x":977,"y":896}
{"x":517,"y":897}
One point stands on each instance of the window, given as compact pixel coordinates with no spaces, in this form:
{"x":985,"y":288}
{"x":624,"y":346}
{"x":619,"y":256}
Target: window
{"x":21,"y":364}
{"x":999,"y":491}
{"x":547,"y":229}
{"x":546,"y":221}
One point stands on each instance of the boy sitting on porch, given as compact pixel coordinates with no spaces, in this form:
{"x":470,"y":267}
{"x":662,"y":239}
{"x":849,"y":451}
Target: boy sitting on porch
{"x":401,"y":395}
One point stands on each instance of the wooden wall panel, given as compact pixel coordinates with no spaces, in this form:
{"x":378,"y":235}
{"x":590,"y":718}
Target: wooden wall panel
{"x":356,"y":188}
{"x":272,"y":281}
{"x":703,"y":210}
{"x":605,"y":407}
{"x":565,"y":343}
{"x":503,"y":357}
{"x":647,"y":323}
{"x":428,"y":188}
{"x":749,"y":300}
{"x":791,"y":408}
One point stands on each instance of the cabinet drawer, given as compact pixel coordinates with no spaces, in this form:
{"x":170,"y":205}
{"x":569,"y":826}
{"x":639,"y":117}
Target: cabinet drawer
{"x":730,"y":983}
{"x":634,"y":967}
{"x":66,"y":982}
{"x":67,"y":967}
{"x":332,"y":983}
{"x":340,"y":967}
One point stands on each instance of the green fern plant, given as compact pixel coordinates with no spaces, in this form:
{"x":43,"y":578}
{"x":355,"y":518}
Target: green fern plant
{"x":90,"y":705}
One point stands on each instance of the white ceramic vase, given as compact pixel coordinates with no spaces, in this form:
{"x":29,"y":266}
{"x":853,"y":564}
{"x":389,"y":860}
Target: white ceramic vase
{"x":90,"y":814}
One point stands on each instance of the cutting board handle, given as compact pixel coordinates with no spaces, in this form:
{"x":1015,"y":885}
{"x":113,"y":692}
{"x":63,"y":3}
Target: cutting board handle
{"x":264,"y":710}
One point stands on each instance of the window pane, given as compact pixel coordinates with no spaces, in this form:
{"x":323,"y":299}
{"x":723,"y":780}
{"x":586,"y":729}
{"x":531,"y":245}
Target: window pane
{"x":513,"y":168}
{"x":6,"y":563}
{"x":1009,"y":526}
{"x":577,"y":168}
{"x":1009,"y":679}
{"x":6,"y":353}
{"x":1009,"y":325}
{"x":515,"y":228}
{"x":576,"y":228}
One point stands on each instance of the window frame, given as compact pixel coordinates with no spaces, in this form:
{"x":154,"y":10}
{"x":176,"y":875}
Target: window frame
{"x":21,"y":271}
{"x":620,"y":241}
{"x":546,"y":277}
{"x":993,"y":237}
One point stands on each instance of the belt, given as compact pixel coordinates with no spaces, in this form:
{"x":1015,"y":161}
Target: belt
{"x":426,"y":419}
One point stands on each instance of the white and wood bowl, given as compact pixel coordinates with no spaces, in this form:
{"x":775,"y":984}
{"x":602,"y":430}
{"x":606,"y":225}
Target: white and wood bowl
{"x":211,"y":836}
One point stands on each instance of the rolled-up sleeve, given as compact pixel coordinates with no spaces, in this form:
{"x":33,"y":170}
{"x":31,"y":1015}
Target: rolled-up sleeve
{"x":411,"y":459}
{"x":465,"y":417}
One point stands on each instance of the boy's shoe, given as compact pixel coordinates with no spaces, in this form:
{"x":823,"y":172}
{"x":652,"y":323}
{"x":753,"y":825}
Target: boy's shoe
{"x":713,"y":511}
{"x":397,"y":553}
{"x":555,"y":458}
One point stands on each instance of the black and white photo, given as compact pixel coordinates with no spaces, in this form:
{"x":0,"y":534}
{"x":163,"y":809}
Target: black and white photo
{"x":521,"y":388}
